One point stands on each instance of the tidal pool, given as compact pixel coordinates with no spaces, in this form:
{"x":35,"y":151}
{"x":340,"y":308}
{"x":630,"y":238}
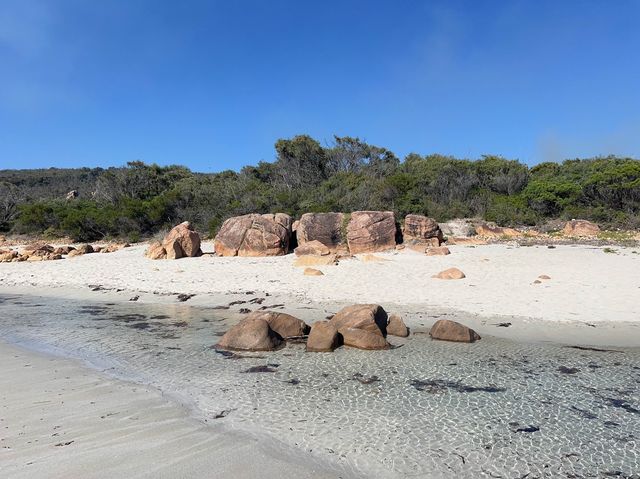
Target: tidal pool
{"x":495,"y":408}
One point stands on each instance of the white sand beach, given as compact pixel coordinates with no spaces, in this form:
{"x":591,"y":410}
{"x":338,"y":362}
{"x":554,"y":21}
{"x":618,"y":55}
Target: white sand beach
{"x":586,"y":283}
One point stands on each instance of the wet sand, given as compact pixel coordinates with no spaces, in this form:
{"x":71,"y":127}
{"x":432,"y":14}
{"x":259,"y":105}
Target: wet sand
{"x":60,"y":419}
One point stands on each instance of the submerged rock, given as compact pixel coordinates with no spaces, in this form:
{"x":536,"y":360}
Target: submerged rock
{"x":250,"y":334}
{"x":447,"y":330}
{"x":363,"y":339}
{"x":396,"y":326}
{"x":369,"y":317}
{"x":285,"y":325}
{"x":323,"y":337}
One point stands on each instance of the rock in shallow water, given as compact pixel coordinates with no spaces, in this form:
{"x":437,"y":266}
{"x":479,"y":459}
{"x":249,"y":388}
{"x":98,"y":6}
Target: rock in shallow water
{"x":396,"y":326}
{"x":323,"y":337}
{"x":446,"y":330}
{"x":250,"y":334}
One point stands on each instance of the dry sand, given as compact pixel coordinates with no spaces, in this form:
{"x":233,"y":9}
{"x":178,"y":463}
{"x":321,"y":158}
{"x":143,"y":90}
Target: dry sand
{"x":587,"y":284}
{"x":61,"y":420}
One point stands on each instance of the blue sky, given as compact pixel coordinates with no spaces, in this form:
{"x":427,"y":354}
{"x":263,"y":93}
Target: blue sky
{"x":213,"y":84}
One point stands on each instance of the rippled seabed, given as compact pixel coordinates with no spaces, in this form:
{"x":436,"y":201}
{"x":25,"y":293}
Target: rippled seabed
{"x":429,"y":409}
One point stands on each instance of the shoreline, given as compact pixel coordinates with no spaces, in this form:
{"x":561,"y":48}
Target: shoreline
{"x":66,"y":418}
{"x":419,"y":318}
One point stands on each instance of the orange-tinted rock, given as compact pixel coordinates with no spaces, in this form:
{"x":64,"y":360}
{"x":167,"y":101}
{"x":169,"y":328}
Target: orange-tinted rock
{"x":451,"y":273}
{"x":420,"y":228}
{"x":323,"y":337}
{"x":250,"y":334}
{"x":7,"y":256}
{"x":439,"y":251}
{"x":285,"y":325}
{"x":315,"y":260}
{"x":156,"y":251}
{"x":182,"y":241}
{"x":396,"y":326}
{"x":84,"y":249}
{"x":371,"y":231}
{"x":326,"y":228}
{"x":63,"y":250}
{"x":254,"y":235}
{"x":465,"y":241}
{"x":312,"y":272}
{"x":544,"y":276}
{"x":488,"y":231}
{"x":582,"y":228}
{"x":369,"y":317}
{"x":313,"y":248}
{"x":363,"y":339}
{"x":446,"y":330}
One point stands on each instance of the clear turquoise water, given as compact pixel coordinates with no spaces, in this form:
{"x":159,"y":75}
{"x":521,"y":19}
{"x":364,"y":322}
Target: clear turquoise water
{"x":495,"y":408}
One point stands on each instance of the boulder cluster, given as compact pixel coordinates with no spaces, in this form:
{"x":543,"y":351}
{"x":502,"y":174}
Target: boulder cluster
{"x":322,"y":234}
{"x":46,"y":252}
{"x":361,"y":326}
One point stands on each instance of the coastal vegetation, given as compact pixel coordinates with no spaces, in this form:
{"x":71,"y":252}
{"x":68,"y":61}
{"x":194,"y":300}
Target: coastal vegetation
{"x":139,"y":199}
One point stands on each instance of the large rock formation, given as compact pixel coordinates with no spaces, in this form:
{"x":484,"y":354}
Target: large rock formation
{"x":582,"y":228}
{"x":326,"y":228}
{"x":182,"y":241}
{"x":419,"y":229}
{"x":323,"y":337}
{"x":254,"y":235}
{"x":250,"y":334}
{"x":446,"y":330}
{"x":370,"y":231}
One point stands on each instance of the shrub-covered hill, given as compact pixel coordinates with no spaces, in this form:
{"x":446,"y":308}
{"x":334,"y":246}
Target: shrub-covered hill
{"x":348,"y":175}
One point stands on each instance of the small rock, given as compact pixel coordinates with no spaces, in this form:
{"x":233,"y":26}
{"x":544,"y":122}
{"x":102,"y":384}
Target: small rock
{"x":451,"y":273}
{"x":439,"y":251}
{"x":313,"y":272}
{"x":396,"y":326}
{"x":446,"y":330}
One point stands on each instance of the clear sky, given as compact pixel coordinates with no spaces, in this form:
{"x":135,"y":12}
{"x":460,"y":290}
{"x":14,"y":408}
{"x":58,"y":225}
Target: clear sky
{"x":213,"y":84}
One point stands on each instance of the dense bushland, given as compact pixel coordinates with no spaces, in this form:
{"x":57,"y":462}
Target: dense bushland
{"x":139,"y":199}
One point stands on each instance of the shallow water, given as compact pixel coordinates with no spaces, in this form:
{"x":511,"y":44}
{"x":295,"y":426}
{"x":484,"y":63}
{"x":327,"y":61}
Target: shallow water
{"x":495,"y":408}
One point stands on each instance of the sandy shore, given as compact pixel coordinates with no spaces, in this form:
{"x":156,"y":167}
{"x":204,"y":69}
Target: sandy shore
{"x":588,"y":286}
{"x":62,"y":420}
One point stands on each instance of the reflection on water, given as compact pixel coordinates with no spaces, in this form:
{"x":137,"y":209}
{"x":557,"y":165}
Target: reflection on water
{"x":491,"y":409}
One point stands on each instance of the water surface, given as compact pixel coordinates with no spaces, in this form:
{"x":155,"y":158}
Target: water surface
{"x":496,"y":408}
